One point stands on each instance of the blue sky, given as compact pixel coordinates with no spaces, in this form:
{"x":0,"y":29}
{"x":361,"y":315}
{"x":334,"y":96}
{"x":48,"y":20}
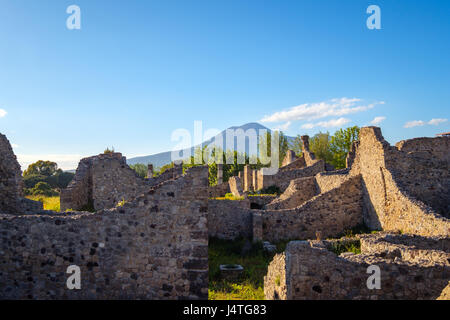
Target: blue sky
{"x":138,"y":70}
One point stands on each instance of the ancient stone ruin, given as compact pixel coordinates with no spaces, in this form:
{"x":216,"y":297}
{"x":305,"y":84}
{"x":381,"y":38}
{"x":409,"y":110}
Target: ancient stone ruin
{"x":148,"y":238}
{"x":153,"y":246}
{"x":402,"y":189}
{"x":103,"y":181}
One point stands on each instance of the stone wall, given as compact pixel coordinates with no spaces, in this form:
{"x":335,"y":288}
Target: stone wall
{"x":171,"y":173}
{"x":219,"y":190}
{"x":11,"y":184}
{"x":229,"y":219}
{"x":391,"y":179}
{"x":260,"y":202}
{"x":299,"y":191}
{"x":113,"y":181}
{"x":236,"y":187}
{"x":412,"y":248}
{"x":78,"y":193}
{"x":10,"y":179}
{"x":284,"y":177}
{"x":422,"y":169}
{"x":345,"y":277}
{"x":275,"y":279}
{"x":104,"y":180}
{"x":438,"y":146}
{"x":153,"y":247}
{"x":329,"y":213}
{"x":326,"y":181}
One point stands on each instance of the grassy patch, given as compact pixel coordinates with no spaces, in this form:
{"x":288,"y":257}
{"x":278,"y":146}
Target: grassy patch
{"x":249,"y":255}
{"x":229,"y":196}
{"x":50,"y":203}
{"x":346,"y":246}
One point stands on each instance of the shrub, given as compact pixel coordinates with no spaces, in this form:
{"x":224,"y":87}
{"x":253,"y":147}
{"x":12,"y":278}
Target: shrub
{"x":339,"y":247}
{"x":43,"y":189}
{"x":121,"y":203}
{"x":141,"y":169}
{"x":108,"y":151}
{"x":59,"y":180}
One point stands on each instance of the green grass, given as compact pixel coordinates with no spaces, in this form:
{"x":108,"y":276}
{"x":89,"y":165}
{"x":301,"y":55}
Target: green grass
{"x":346,"y":246}
{"x":229,"y":196}
{"x":50,"y":203}
{"x":255,"y":262}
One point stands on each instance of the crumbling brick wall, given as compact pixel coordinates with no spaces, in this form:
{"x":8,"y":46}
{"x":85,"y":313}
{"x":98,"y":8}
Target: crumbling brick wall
{"x":391,"y":182}
{"x":329,"y":180}
{"x":329,"y":213}
{"x":113,"y":181}
{"x":78,"y":193}
{"x":229,"y":219}
{"x":153,"y":247}
{"x":299,"y":191}
{"x":104,"y":180}
{"x":422,"y":168}
{"x":10,"y":179}
{"x":284,"y":177}
{"x":219,"y":190}
{"x":312,"y":271}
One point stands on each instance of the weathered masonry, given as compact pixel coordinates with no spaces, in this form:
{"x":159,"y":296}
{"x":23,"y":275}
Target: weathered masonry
{"x":154,"y":246}
{"x":103,"y":181}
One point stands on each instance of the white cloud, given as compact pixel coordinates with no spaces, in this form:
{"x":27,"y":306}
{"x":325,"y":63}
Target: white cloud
{"x":420,"y":123}
{"x":377,"y":120}
{"x":3,"y":113}
{"x":435,"y":122}
{"x":310,"y":111}
{"x":327,"y":124}
{"x":283,"y":127}
{"x":415,"y":123}
{"x":64,"y":161}
{"x":14,"y":146}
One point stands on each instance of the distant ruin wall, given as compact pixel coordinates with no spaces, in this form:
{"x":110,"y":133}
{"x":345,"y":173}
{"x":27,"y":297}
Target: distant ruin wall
{"x":79,"y":191}
{"x":329,"y":180}
{"x":299,"y":191}
{"x":283,"y":178}
{"x":229,"y":219}
{"x":154,"y":247}
{"x":10,"y":179}
{"x":104,"y":180}
{"x":113,"y":181}
{"x":219,"y":190}
{"x":329,"y":213}
{"x":438,"y":147}
{"x":171,"y":173}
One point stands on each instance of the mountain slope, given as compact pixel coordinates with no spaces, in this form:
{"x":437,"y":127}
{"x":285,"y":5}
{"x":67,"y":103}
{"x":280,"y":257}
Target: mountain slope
{"x":163,"y":158}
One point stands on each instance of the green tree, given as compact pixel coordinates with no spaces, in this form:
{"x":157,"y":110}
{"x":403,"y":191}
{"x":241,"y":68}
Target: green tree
{"x":320,"y":145}
{"x":296,"y":146}
{"x":265,"y":143}
{"x":141,"y":169}
{"x":340,"y":145}
{"x":48,"y":172}
{"x":43,"y":189}
{"x":45,"y":168}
